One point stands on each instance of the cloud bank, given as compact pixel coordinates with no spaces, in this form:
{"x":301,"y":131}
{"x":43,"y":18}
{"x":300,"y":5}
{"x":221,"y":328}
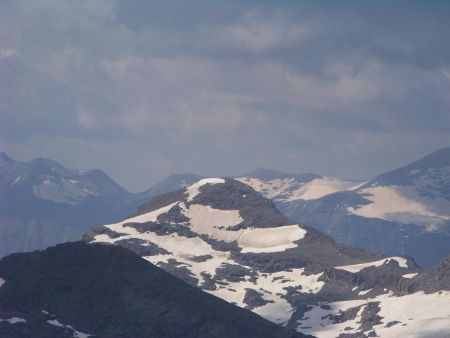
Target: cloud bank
{"x":147,"y":88}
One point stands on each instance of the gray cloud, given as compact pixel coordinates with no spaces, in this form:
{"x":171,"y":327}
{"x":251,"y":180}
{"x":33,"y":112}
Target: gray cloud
{"x":146,"y":88}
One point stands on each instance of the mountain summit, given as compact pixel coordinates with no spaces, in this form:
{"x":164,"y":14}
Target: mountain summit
{"x":222,"y":236}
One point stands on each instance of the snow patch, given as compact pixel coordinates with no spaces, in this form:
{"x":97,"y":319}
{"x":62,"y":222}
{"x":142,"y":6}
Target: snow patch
{"x":270,"y":239}
{"x":272,"y":286}
{"x":317,"y":321}
{"x":403,"y":204}
{"x":16,"y":180}
{"x":2,"y":281}
{"x":419,"y":314}
{"x":409,"y":275}
{"x":215,"y":223}
{"x":426,"y":315}
{"x":204,"y":219}
{"x":362,"y":293}
{"x":13,"y":320}
{"x":75,"y":333}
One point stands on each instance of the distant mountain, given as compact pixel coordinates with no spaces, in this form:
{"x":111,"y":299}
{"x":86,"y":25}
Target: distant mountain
{"x":222,"y":236}
{"x":171,"y":183}
{"x":276,"y":185}
{"x":403,"y":212}
{"x":43,"y":203}
{"x":80,"y":290}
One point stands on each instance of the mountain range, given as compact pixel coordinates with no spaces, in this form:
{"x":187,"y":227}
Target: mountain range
{"x":402,"y":212}
{"x":222,"y":236}
{"x":43,"y":203}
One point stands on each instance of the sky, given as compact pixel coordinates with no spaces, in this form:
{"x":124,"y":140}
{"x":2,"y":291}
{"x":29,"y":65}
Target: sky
{"x":143,"y":89}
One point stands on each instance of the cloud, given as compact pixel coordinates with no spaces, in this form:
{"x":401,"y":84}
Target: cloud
{"x":220,"y":89}
{"x":256,"y":33}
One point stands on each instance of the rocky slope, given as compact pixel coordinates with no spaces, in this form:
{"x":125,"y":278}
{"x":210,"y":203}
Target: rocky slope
{"x":403,"y":212}
{"x":225,"y":238}
{"x":80,"y":290}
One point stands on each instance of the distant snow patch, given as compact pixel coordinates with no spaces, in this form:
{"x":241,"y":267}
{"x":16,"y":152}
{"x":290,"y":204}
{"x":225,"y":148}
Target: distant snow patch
{"x":409,"y":275}
{"x":402,"y":262}
{"x":13,"y":320}
{"x":402,"y":204}
{"x":320,"y":187}
{"x":289,"y":189}
{"x":61,"y":191}
{"x":194,"y":189}
{"x":362,"y":293}
{"x":76,"y":333}
{"x":16,"y":180}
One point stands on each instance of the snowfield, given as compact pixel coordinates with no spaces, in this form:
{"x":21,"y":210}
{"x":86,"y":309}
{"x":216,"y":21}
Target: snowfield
{"x":416,"y":315}
{"x":270,"y":239}
{"x":403,"y":204}
{"x":290,"y":190}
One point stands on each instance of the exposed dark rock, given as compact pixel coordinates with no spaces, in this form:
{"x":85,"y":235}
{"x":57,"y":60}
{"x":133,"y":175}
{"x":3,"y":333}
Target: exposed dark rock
{"x":111,"y":292}
{"x":160,"y":201}
{"x":101,"y":230}
{"x":232,"y":273}
{"x":346,"y":315}
{"x":200,"y":259}
{"x":254,"y":299}
{"x":141,"y":247}
{"x":392,"y":323}
{"x":179,"y":270}
{"x":370,"y":317}
{"x":434,"y":280}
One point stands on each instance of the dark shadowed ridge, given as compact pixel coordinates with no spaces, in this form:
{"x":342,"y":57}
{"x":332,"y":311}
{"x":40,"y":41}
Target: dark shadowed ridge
{"x":108,"y":291}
